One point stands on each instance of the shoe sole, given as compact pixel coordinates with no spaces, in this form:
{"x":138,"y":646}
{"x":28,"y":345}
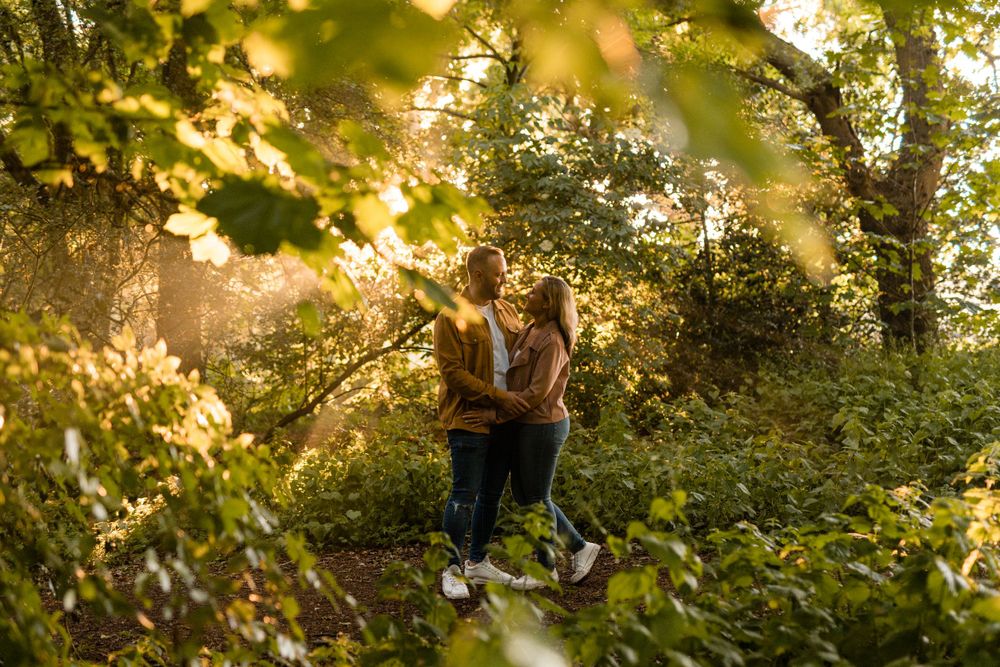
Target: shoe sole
{"x":524,"y":589}
{"x":586,"y":568}
{"x":458,"y":597}
{"x":478,"y":581}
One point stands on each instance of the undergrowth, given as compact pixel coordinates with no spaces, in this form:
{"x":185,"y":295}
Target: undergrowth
{"x":794,"y":445}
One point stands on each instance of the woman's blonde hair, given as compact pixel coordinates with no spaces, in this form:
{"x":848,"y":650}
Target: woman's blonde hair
{"x":562,"y":308}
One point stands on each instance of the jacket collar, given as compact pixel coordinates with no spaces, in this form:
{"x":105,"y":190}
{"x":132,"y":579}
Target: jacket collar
{"x":534,"y":338}
{"x":467,"y":295}
{"x":499,"y":305}
{"x":546,"y":330}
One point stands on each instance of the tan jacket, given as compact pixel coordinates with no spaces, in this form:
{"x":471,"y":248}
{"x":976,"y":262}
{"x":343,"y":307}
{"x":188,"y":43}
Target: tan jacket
{"x":539,"y":370}
{"x":464,"y":354}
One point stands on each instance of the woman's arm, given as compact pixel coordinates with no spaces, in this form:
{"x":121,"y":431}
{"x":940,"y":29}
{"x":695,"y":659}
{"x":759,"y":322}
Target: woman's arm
{"x":551,"y":358}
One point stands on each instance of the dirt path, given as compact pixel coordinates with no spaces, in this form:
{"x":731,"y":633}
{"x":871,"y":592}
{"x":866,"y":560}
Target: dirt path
{"x":357,"y":571}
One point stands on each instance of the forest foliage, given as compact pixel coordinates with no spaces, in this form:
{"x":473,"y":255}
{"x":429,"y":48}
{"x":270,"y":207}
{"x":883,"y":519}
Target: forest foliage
{"x":224,"y":227}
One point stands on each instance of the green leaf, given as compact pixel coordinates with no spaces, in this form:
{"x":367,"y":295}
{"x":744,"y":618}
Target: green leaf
{"x":371,"y":215}
{"x":31,"y":143}
{"x":618,"y":547}
{"x":361,"y":142}
{"x":299,"y":153}
{"x":189,"y":222}
{"x":383,"y":42}
{"x":434,"y":215}
{"x":668,"y":509}
{"x":431,"y":289}
{"x":339,"y":285}
{"x":309,"y":318}
{"x":631,"y":584}
{"x":258,"y":217}
{"x":136,"y":30}
{"x":668,"y":549}
{"x":988,"y":608}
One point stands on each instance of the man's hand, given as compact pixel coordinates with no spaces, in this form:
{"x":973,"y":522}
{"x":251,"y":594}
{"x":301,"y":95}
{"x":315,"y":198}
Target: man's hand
{"x":480,"y":417}
{"x":511,"y":403}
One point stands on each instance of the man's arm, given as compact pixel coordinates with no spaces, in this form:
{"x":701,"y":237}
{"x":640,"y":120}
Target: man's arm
{"x":546,"y":371}
{"x":448,"y":354}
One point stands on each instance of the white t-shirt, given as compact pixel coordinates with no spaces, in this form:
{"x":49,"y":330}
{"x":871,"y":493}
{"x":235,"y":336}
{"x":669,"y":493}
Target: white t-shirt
{"x":500,"y":361}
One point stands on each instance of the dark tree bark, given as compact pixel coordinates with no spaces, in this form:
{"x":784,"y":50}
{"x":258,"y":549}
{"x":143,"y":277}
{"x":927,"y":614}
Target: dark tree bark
{"x":181,"y":297}
{"x":58,"y":48}
{"x":903,"y":253}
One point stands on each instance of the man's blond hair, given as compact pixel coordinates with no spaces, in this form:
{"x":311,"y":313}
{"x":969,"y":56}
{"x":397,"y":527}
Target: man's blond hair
{"x":478,"y":257}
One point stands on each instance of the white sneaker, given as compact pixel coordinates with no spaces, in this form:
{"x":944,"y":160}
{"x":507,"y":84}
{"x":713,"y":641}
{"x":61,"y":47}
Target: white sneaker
{"x":527,"y":582}
{"x":485,"y":571}
{"x":453,"y":587}
{"x":582,"y":561}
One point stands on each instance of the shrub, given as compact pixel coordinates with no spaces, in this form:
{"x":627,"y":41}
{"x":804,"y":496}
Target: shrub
{"x":371,"y":485}
{"x":84,"y":436}
{"x":787,"y":449}
{"x":905,"y":578}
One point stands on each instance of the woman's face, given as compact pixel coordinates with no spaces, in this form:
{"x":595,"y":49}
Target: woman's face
{"x":536,"y":304}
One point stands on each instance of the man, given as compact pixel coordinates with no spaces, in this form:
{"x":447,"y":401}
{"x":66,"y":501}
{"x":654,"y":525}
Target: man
{"x":472,"y":360}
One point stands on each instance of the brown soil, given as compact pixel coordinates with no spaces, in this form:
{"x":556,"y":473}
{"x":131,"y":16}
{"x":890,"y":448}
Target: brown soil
{"x":356,"y":570}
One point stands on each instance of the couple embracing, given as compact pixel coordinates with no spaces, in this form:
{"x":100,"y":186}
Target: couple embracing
{"x":501,"y":401}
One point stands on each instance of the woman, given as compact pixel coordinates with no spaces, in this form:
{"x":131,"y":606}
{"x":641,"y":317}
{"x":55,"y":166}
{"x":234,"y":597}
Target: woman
{"x":539,"y":370}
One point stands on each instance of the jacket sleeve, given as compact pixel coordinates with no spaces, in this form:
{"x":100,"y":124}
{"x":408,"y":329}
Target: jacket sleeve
{"x":544,"y":374}
{"x":448,"y":354}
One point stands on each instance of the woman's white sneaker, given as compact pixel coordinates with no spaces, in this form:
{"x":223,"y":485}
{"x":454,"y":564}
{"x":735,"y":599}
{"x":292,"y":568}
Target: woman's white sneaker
{"x":453,"y":587}
{"x":526,"y":582}
{"x":582,"y":561}
{"x":485,"y":571}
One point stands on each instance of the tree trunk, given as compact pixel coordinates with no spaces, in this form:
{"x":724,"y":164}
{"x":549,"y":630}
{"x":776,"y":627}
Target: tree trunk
{"x":181,"y":279}
{"x":178,"y":316}
{"x":903,"y":252}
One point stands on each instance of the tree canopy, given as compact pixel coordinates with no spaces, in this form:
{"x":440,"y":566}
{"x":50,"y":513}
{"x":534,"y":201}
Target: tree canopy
{"x":225,"y":226}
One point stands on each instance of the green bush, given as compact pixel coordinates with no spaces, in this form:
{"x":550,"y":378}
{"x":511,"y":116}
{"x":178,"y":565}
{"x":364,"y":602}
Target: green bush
{"x":904,"y":579}
{"x":787,"y":449}
{"x":85,"y":437}
{"x":803,"y":440}
{"x":370,"y":485}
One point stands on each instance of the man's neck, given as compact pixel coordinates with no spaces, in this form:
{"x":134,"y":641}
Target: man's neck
{"x":479,"y":299}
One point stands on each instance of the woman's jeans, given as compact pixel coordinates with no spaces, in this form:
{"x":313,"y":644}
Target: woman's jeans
{"x":528,"y":453}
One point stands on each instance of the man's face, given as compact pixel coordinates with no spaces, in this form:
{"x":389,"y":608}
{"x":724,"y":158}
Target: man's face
{"x":493,"y":277}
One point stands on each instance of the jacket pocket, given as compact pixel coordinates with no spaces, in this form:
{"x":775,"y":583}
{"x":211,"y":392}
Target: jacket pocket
{"x":470,"y":337}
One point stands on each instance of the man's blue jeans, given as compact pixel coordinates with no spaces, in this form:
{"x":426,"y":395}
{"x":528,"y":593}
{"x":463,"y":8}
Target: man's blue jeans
{"x":469,"y":452}
{"x":528,"y":453}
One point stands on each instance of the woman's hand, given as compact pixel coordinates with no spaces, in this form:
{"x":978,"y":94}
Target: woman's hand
{"x":480,"y":417}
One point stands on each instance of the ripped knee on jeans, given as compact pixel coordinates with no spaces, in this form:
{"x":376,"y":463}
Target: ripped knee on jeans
{"x":459,"y":506}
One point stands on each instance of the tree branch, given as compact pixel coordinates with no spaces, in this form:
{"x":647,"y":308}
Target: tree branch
{"x":458,"y":78}
{"x":823,"y":98}
{"x":773,"y":84}
{"x":456,"y":114}
{"x":57,"y":45}
{"x":310,"y":406}
{"x":489,"y":47}
{"x":474,"y":56}
{"x":920,"y":159}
